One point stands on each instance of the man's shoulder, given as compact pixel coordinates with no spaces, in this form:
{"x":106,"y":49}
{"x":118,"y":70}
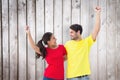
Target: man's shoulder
{"x":69,"y":41}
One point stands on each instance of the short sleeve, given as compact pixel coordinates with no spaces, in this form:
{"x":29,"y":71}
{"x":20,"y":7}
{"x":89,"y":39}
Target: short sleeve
{"x":64,"y":51}
{"x":90,"y":40}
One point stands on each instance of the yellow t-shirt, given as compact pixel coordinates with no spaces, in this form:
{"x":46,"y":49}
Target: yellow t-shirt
{"x":78,"y":57}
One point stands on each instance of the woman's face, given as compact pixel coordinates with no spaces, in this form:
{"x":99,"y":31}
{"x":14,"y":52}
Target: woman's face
{"x":52,"y":41}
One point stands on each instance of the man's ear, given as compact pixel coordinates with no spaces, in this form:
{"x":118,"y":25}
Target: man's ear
{"x":78,"y":32}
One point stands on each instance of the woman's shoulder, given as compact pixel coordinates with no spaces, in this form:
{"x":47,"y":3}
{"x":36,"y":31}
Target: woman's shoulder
{"x":61,"y":45}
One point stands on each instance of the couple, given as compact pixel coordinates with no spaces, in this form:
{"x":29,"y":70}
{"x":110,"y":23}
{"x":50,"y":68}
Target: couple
{"x":76,"y":52}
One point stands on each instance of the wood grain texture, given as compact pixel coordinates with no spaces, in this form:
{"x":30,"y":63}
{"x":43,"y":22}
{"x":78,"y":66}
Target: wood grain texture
{"x":58,"y":20}
{"x":76,"y":11}
{"x":5,"y":41}
{"x":111,"y":40}
{"x":49,"y":16}
{"x":117,"y":40}
{"x":13,"y":39}
{"x":0,"y":40}
{"x":22,"y":39}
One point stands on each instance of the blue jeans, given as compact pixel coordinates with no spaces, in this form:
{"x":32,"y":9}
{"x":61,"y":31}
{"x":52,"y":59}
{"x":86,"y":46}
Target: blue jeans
{"x":79,"y":78}
{"x":45,"y":78}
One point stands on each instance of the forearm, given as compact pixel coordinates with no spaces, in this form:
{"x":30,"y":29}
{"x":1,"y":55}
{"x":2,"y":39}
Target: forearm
{"x":32,"y":43}
{"x":65,"y":57}
{"x":97,"y":23}
{"x":96,"y":26}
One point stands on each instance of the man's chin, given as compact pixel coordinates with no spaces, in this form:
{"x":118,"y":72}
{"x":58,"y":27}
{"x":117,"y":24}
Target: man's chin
{"x":72,"y":38}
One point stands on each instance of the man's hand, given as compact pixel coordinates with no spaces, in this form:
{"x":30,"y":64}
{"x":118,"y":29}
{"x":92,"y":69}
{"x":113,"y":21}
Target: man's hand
{"x":97,"y":9}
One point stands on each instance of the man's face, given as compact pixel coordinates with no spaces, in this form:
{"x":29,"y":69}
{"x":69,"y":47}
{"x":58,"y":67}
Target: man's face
{"x":74,"y":35}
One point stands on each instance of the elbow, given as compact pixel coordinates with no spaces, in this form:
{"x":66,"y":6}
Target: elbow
{"x":94,"y":35}
{"x":36,"y":49}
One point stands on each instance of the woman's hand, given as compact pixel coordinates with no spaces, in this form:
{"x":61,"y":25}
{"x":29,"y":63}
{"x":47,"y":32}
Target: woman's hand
{"x":27,"y":29}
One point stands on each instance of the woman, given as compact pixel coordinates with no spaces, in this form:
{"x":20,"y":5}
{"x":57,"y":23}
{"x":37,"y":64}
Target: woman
{"x":53,"y":54}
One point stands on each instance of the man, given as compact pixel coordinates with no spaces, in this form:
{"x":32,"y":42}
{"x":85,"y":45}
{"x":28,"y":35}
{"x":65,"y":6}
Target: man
{"x":78,"y":50}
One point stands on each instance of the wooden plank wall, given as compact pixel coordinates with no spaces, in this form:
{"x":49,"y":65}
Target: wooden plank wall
{"x":5,"y":42}
{"x":17,"y":59}
{"x":0,"y":42}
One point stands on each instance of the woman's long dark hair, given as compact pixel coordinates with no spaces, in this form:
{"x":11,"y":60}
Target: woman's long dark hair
{"x":41,"y":44}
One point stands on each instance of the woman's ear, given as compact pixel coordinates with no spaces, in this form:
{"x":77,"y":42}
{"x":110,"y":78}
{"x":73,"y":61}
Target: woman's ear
{"x":48,"y":42}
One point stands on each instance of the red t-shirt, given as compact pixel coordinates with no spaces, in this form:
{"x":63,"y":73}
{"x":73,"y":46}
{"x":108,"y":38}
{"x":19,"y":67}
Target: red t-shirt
{"x":55,"y":61}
